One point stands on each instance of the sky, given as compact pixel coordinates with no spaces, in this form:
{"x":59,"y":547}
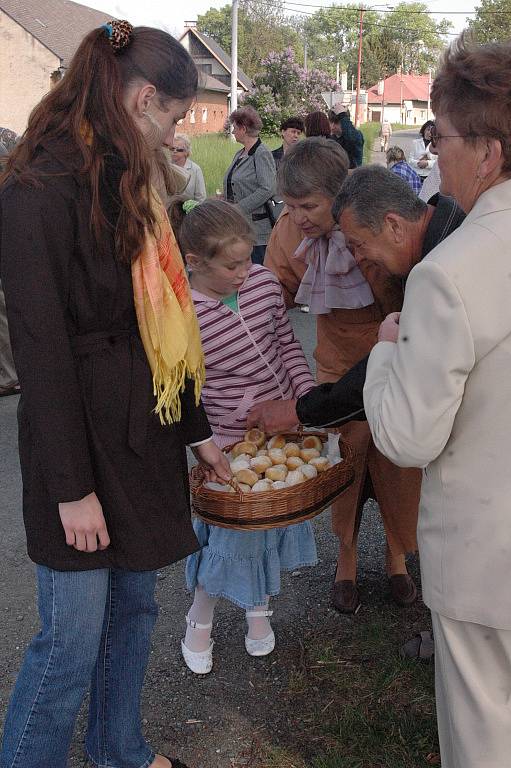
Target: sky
{"x":171,"y":16}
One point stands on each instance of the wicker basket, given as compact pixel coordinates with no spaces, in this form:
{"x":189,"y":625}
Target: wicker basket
{"x":272,"y":509}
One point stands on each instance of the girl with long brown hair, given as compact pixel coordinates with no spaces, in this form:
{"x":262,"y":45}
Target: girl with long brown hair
{"x":107,"y":347}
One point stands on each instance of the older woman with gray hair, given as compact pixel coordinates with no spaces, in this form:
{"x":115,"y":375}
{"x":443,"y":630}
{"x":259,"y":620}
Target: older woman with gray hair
{"x":250,"y":179}
{"x":308,"y":253}
{"x":181,"y":150}
{"x":437,"y":395}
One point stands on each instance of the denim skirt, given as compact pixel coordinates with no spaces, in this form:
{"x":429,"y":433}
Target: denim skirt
{"x":245,"y":566}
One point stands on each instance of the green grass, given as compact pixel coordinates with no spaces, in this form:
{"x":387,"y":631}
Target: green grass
{"x":355,"y":702}
{"x":214,"y":152}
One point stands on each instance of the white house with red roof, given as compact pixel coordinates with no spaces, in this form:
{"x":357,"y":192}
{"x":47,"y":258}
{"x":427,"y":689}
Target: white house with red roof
{"x":400,"y":98}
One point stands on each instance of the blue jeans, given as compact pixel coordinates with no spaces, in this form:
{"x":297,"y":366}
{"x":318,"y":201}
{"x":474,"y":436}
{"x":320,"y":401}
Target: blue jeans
{"x":95,"y":633}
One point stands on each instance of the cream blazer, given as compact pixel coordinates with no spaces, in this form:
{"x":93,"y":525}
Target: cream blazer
{"x":441,"y":399}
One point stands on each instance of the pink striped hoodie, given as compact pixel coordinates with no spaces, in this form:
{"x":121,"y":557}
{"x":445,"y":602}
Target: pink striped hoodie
{"x":250,"y":356}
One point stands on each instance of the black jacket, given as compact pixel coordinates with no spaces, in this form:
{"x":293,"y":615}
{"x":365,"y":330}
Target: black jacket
{"x":85,"y":414}
{"x":278,"y":154}
{"x":331,"y":405}
{"x":352,"y":141}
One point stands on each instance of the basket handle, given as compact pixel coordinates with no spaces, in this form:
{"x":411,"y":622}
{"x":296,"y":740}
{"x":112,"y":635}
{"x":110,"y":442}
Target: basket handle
{"x":234,"y":484}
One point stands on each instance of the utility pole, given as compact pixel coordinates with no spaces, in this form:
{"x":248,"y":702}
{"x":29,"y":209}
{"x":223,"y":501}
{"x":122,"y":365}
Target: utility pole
{"x":429,"y":94}
{"x":234,"y":58}
{"x":357,"y":120}
{"x":337,"y":74}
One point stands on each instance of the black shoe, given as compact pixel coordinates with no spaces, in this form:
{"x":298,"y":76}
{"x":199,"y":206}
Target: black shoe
{"x":176,"y":763}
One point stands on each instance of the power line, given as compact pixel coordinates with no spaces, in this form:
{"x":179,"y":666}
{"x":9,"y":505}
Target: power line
{"x":384,"y":8}
{"x":369,"y":23}
{"x":383,"y":26}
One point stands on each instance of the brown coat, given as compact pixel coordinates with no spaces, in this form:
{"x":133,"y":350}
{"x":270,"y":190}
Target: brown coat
{"x":85,"y":414}
{"x":345,"y":336}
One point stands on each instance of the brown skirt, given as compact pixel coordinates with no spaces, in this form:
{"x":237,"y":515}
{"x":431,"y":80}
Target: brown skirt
{"x":341,"y":344}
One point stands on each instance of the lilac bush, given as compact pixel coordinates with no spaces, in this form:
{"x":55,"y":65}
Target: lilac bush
{"x":283,"y":88}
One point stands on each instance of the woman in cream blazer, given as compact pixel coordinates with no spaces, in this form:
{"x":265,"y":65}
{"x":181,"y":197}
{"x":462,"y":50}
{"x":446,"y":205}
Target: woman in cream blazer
{"x":440,"y":398}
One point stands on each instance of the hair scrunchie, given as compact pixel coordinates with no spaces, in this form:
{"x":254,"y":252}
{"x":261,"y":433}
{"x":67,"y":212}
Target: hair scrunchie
{"x":118,"y":33}
{"x":189,"y":205}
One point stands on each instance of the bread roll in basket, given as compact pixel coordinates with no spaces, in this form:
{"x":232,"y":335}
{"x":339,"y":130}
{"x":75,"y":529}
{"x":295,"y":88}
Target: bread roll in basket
{"x":273,"y":508}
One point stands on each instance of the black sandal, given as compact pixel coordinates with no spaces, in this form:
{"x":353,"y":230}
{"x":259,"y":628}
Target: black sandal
{"x":176,"y":763}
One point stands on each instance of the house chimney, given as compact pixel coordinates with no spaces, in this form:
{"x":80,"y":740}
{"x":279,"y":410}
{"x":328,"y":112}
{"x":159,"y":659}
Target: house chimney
{"x":191,"y":24}
{"x":381,"y":87}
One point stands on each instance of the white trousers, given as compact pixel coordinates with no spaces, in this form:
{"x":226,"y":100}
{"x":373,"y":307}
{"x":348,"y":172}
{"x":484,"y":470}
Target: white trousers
{"x":473,"y":693}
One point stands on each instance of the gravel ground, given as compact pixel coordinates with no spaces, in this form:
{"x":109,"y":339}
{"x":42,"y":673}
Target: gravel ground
{"x":222,"y":720}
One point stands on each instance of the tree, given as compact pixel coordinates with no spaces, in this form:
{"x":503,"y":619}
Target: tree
{"x":492,"y":22}
{"x":406,"y":36}
{"x":261,"y":28}
{"x":283,"y":88}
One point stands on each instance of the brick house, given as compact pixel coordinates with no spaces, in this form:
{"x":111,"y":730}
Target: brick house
{"x":37,"y":40}
{"x":212,"y":107}
{"x":405,"y":99}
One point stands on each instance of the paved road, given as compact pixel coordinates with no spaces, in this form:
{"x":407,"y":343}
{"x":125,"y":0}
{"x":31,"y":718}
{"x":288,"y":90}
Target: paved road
{"x":403,"y":139}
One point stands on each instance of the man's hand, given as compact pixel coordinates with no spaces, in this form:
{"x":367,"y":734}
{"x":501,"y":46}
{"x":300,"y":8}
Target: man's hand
{"x":423,"y":162}
{"x":213,"y":462}
{"x":389,"y":329}
{"x":273,"y":416}
{"x":84,"y":524}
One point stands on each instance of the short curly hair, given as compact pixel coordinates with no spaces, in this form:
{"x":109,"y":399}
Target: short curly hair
{"x":473,"y":89}
{"x":247,"y":117}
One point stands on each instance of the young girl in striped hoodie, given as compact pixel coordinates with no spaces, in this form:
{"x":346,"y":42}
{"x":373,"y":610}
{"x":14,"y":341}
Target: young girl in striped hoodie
{"x":251,"y":355}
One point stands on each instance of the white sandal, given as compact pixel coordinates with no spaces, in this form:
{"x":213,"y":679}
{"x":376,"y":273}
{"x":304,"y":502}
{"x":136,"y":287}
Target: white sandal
{"x":200,"y":662}
{"x":265,"y":645}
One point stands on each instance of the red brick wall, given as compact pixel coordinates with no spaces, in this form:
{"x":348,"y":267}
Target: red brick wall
{"x":211,"y":121}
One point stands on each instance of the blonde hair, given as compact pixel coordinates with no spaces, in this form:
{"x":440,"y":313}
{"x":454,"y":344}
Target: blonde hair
{"x":209,"y":228}
{"x":186,"y":141}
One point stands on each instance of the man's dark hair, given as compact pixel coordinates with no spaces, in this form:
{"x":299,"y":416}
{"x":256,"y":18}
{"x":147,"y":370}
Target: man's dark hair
{"x":372,"y":192}
{"x":335,"y":117}
{"x":292,"y":122}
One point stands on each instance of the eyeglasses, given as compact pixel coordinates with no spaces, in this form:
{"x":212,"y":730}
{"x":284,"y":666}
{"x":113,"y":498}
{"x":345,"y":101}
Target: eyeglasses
{"x":177,"y":149}
{"x":434,"y":136}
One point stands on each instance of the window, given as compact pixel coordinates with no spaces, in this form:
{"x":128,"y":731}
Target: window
{"x":204,"y":114}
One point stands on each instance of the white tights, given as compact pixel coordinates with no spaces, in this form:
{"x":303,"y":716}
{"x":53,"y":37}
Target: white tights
{"x":201,"y":612}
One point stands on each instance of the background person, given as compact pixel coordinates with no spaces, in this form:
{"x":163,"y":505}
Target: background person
{"x":420,"y":158}
{"x":316,"y":124}
{"x":8,"y":376}
{"x":385,"y":135}
{"x":431,"y":185}
{"x":396,"y":162}
{"x":442,"y":402}
{"x":308,"y":253}
{"x":291,"y":131}
{"x":344,"y":133}
{"x":181,"y":151}
{"x":250,"y":179}
{"x":105,"y":493}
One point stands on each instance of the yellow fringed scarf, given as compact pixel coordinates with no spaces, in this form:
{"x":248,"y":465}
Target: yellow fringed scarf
{"x":166,"y":318}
